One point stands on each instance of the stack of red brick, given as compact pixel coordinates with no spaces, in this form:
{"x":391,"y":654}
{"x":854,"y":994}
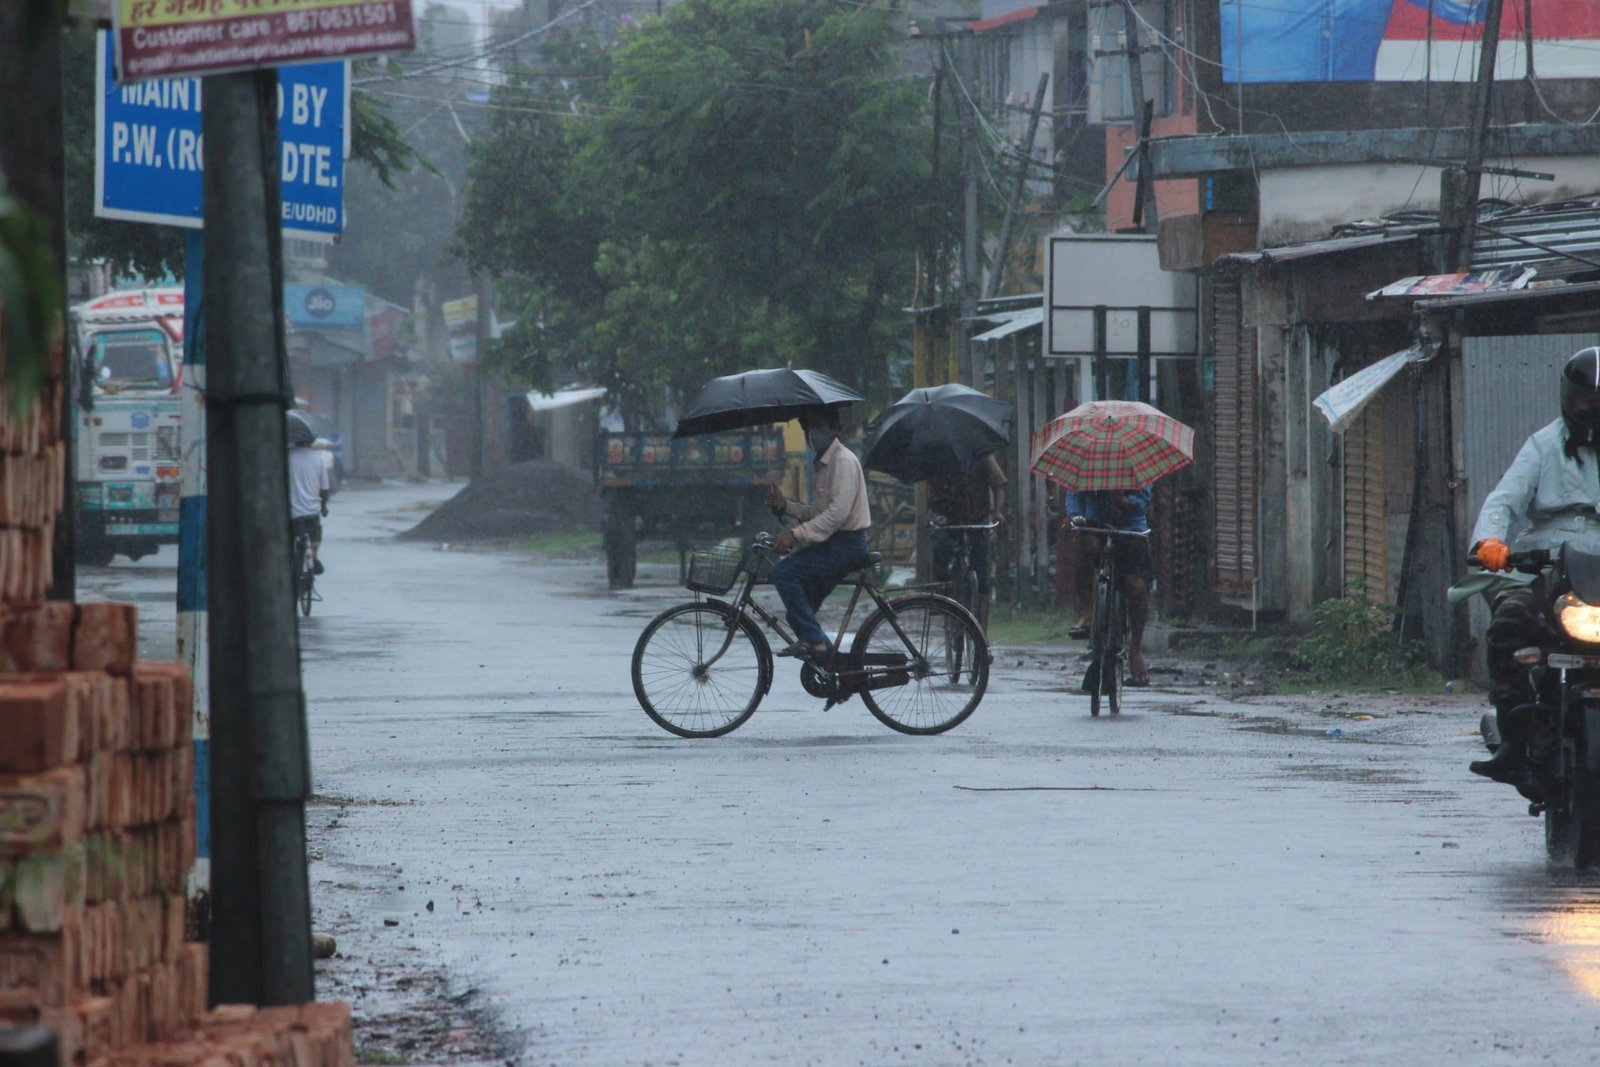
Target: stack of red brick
{"x":97,"y":836}
{"x":32,"y":466}
{"x":97,"y":832}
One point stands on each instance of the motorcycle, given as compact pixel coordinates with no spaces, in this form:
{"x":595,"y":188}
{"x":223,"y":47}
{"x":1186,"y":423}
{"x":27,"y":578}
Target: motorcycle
{"x":1560,"y":722}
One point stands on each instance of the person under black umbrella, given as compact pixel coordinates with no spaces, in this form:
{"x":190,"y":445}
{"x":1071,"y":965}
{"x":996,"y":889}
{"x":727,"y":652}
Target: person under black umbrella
{"x":972,"y":497}
{"x":831,"y":537}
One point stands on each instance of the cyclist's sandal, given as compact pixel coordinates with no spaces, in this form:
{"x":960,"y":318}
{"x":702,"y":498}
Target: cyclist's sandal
{"x":805,"y":650}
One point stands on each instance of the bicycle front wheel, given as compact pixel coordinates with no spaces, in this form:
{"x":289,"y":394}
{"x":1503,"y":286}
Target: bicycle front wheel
{"x":932,"y":694}
{"x":699,"y":670}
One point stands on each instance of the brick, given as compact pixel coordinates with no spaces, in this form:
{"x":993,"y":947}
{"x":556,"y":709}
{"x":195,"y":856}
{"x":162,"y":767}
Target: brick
{"x":68,"y":1028}
{"x":106,"y":638}
{"x":49,"y":887}
{"x":38,"y":638}
{"x":42,"y":811}
{"x":116,"y":713}
{"x":94,"y":1015}
{"x":195,"y":969}
{"x":38,"y":971}
{"x":36,"y":732}
{"x":119,"y":793}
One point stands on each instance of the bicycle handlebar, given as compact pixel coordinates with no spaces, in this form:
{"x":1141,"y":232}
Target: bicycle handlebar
{"x":1112,"y":531}
{"x":937,"y":525}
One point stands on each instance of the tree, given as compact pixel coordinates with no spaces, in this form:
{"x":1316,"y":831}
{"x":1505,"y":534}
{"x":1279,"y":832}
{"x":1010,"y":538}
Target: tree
{"x":743,"y":190}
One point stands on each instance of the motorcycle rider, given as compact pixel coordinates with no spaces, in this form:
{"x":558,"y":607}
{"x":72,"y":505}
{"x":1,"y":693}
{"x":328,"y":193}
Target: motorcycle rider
{"x":1553,"y":486}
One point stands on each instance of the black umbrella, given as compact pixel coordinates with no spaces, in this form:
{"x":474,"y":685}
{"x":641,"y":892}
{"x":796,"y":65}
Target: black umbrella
{"x":758,"y":397}
{"x":937,"y":432}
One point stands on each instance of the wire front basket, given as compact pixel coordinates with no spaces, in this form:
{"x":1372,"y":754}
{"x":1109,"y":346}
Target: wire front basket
{"x":715,"y":570}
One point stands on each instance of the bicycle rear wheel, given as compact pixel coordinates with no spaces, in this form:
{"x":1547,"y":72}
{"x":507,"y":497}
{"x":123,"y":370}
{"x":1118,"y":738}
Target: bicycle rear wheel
{"x":304,"y":578}
{"x":699,"y":670}
{"x":935,"y":695}
{"x":1114,"y":665}
{"x":1099,"y":642}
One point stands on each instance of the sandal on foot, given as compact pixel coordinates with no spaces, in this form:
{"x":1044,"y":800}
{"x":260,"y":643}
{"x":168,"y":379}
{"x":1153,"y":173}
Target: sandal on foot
{"x":1078,"y":633}
{"x":804,"y":650}
{"x":1138,"y":681}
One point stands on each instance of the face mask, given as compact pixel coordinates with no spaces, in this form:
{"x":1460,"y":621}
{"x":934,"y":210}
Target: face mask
{"x":820,"y":440}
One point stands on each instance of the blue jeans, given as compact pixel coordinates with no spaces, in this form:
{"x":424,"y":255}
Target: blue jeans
{"x":806,"y":577}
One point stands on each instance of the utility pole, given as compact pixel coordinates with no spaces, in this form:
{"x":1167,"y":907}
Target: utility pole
{"x":1144,"y":188}
{"x":1458,"y":200}
{"x":966,"y":55}
{"x":996,"y":275}
{"x":33,"y":163}
{"x":261,"y":915}
{"x":482,"y":289}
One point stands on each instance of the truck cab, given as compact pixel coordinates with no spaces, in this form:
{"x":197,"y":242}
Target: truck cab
{"x":128,"y":434}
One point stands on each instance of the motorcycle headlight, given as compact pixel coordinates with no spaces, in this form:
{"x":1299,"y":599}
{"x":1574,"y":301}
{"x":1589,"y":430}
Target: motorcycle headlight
{"x":1580,"y":621}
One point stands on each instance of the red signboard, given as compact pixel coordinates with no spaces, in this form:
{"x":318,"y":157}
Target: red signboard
{"x":167,"y":38}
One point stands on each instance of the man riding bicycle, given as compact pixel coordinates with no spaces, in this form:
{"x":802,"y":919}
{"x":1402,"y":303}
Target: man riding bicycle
{"x":1128,"y":511}
{"x":973,"y":497}
{"x":831,"y":536}
{"x":309,"y":488}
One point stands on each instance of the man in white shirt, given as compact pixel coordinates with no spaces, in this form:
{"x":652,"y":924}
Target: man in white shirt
{"x":308,"y":486}
{"x":831,"y":536}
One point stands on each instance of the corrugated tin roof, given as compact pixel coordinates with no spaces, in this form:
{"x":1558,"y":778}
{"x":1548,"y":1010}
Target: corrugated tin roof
{"x":1265,"y":257}
{"x":1535,"y":292}
{"x":1569,"y":226}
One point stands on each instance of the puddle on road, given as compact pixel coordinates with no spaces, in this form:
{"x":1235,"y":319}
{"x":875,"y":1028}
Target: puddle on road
{"x":1559,"y":908}
{"x":1329,"y":772}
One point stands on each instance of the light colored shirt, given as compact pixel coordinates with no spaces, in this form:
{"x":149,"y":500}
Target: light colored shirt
{"x":308,"y":480}
{"x":1544,"y":499}
{"x":838,"y":498}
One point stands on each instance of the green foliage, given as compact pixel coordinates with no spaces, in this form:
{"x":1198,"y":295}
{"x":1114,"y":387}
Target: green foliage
{"x":1353,"y":643}
{"x":30,"y":299}
{"x":738,"y":185}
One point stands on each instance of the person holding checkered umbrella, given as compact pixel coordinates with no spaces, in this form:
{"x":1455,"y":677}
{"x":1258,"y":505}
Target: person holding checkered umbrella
{"x":1106,"y":454}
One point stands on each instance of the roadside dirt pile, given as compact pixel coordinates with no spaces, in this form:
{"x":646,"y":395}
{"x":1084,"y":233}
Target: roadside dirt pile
{"x":523,"y":500}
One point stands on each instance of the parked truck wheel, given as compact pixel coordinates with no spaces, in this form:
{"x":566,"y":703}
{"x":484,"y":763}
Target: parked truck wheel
{"x":621,"y":542}
{"x":95,"y":552}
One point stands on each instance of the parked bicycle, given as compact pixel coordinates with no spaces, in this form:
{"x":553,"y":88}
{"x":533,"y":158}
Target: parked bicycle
{"x":303,"y":564}
{"x":1109,"y":643}
{"x":701,"y":668}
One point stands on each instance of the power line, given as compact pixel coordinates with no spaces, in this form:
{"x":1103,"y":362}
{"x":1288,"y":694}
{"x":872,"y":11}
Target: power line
{"x":509,"y":42}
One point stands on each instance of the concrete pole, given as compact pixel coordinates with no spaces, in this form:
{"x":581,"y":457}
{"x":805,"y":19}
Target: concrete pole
{"x":997,"y":275}
{"x":261,"y":915}
{"x":967,"y":59}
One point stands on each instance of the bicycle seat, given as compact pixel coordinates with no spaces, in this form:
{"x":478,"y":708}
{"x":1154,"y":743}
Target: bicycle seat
{"x":874,"y":570}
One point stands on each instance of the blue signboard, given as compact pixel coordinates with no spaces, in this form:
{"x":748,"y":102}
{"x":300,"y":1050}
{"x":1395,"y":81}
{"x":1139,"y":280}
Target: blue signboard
{"x":325,"y":307}
{"x":147,"y":147}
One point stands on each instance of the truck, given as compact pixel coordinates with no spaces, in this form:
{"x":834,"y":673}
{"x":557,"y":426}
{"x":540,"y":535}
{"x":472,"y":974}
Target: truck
{"x":690,"y":489}
{"x":127,"y":427}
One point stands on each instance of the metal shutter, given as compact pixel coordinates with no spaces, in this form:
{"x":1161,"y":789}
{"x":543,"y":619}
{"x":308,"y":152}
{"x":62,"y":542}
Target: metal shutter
{"x":1366,"y":536}
{"x":1234,"y":459}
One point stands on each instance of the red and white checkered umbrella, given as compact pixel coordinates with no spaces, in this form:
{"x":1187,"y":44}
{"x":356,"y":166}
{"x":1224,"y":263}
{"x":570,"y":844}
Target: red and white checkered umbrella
{"x":1111,"y":444}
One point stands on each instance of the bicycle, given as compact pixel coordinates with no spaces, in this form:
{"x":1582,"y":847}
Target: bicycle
{"x":303,"y":563}
{"x":1109,"y":635}
{"x":958,"y":573}
{"x":701,"y":668}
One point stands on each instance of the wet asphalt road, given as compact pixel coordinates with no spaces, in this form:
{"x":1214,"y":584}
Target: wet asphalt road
{"x":1195,"y":882}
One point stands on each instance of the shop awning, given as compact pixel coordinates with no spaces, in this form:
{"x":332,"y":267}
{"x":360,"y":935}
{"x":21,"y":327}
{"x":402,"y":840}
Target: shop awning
{"x":1011,"y":322}
{"x":562,"y":398}
{"x":1341,"y":403}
